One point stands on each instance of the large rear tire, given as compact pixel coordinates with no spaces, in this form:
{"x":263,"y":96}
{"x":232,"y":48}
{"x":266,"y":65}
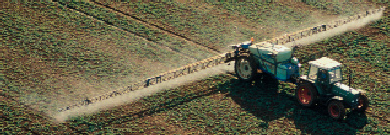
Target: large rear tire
{"x":336,"y":110}
{"x":306,"y":95}
{"x":363,"y":103}
{"x":245,"y":68}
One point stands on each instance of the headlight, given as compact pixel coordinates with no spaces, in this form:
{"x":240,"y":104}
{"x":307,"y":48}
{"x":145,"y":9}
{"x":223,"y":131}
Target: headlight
{"x":294,"y":60}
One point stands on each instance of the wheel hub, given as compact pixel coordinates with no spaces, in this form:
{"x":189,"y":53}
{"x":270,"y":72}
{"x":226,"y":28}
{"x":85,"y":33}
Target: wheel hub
{"x":244,"y":69}
{"x":304,"y":95}
{"x":334,"y":110}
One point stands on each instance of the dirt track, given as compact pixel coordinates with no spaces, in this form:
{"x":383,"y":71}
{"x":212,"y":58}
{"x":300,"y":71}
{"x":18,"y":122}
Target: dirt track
{"x":135,"y":95}
{"x":336,"y":31}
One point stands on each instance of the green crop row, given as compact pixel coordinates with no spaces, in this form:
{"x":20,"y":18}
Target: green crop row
{"x":215,"y":24}
{"x":49,"y":42}
{"x":139,"y":29}
{"x":54,"y":41}
{"x":203,"y":27}
{"x":362,"y":48}
{"x":189,"y":105}
{"x":116,"y":20}
{"x":353,"y":47}
{"x":52,"y":45}
{"x":382,"y":25}
{"x":266,"y":14}
{"x":337,"y":8}
{"x":233,"y":107}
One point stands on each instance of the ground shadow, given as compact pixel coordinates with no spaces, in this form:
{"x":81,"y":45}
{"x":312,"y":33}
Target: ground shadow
{"x":262,"y":100}
{"x":259,"y":98}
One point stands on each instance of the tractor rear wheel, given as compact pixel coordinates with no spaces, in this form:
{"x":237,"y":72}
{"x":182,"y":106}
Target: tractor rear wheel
{"x":245,"y":68}
{"x":363,"y":103}
{"x":306,"y":95}
{"x":336,"y":110}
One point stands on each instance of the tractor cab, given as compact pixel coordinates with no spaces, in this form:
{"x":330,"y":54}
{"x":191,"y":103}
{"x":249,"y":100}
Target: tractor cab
{"x":323,"y":73}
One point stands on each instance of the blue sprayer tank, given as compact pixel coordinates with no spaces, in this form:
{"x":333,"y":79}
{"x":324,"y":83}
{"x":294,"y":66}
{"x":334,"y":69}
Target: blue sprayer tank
{"x":276,"y":60}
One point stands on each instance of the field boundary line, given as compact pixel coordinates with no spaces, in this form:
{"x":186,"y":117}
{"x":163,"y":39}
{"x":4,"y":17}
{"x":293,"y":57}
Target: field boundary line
{"x":156,"y":26}
{"x":127,"y":31}
{"x":93,"y":17}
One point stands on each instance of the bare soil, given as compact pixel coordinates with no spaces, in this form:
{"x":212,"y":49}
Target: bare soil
{"x":17,"y":117}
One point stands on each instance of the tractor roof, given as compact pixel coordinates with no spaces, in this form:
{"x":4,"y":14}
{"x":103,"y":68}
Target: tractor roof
{"x":325,"y":63}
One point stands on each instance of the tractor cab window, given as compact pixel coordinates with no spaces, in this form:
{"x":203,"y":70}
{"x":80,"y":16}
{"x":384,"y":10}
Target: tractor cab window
{"x":335,"y":75}
{"x":323,"y":74}
{"x":313,"y":72}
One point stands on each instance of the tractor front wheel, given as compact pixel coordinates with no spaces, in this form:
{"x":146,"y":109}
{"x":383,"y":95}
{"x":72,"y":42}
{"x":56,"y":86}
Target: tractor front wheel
{"x":363,"y":103}
{"x":336,"y":110}
{"x":306,"y":95}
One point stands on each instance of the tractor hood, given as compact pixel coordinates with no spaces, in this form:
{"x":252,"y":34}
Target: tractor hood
{"x":348,"y":94}
{"x":346,"y":91}
{"x":342,"y":87}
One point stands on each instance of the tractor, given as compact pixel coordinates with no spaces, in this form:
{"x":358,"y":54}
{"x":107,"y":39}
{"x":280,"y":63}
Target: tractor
{"x":320,"y":85}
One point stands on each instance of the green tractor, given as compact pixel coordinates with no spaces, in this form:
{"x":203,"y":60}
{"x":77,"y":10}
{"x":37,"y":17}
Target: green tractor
{"x":321,"y":85}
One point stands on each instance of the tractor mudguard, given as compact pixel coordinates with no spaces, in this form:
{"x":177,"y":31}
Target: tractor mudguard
{"x":334,"y":98}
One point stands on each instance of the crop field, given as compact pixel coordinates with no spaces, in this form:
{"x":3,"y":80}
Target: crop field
{"x":85,"y":49}
{"x":339,"y":8}
{"x":51,"y":49}
{"x":217,"y":24}
{"x":356,"y":48}
{"x":135,"y":27}
{"x":216,"y":105}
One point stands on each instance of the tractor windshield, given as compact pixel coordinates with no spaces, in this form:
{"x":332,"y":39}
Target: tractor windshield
{"x":335,"y":75}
